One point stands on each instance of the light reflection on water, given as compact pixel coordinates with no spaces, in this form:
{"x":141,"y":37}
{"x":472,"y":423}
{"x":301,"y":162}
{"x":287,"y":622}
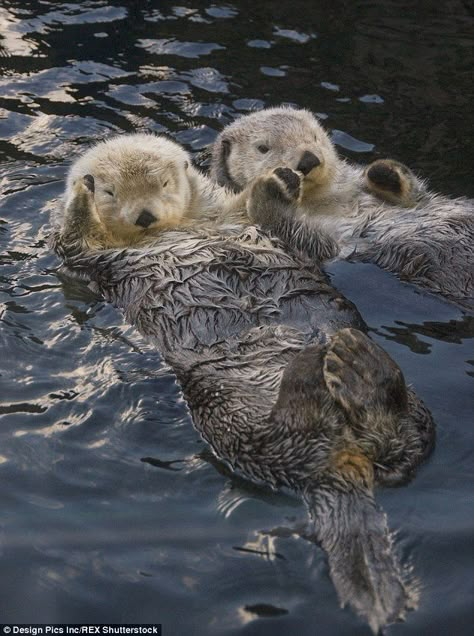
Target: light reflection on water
{"x":112,"y":510}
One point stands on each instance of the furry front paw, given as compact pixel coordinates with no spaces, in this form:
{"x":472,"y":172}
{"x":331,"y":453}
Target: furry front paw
{"x":89,"y":182}
{"x":288,"y":183}
{"x":84,"y":186}
{"x":361,"y":376}
{"x":83,"y":228}
{"x":393,"y":182}
{"x":273,"y":194}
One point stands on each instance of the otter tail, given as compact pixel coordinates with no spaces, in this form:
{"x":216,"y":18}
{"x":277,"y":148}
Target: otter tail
{"x":352,"y":529}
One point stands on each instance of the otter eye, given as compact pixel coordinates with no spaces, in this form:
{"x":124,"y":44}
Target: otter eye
{"x":263,"y":149}
{"x":165,"y":184}
{"x":109,"y":192}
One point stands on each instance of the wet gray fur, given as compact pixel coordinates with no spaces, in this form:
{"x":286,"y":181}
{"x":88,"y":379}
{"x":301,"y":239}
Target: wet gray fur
{"x":280,"y":380}
{"x":426,"y":239}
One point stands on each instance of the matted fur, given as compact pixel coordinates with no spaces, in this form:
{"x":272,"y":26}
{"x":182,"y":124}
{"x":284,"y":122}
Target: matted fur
{"x":279,"y":377}
{"x":425,"y":238}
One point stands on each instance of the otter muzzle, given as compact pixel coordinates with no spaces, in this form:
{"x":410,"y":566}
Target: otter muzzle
{"x":145,"y":219}
{"x":308,"y":162}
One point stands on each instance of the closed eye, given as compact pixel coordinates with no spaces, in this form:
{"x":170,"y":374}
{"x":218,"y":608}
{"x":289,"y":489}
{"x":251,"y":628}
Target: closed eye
{"x":109,"y":192}
{"x":165,"y":184}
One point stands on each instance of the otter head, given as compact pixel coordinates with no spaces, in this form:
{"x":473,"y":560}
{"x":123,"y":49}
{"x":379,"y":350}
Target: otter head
{"x":141,"y":183}
{"x":276,"y":137}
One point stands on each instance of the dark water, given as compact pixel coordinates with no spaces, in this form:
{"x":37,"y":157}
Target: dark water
{"x":111,"y":508}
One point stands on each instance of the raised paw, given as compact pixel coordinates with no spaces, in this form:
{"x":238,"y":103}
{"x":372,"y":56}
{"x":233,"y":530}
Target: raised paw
{"x":291,"y":182}
{"x":82,"y":224}
{"x":89,"y":182}
{"x":84,"y":186}
{"x":361,"y":376}
{"x":273,"y":195}
{"x":393,"y":182}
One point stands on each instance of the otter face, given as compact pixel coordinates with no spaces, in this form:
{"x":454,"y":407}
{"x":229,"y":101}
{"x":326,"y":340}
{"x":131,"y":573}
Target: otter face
{"x":277,"y":137}
{"x":141,"y":183}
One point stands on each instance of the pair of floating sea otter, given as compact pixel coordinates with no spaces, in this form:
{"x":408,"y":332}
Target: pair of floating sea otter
{"x":274,"y":363}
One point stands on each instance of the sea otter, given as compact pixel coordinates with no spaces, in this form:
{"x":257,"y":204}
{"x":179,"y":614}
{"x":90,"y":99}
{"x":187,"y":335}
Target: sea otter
{"x":382,"y":214}
{"x":144,"y":184}
{"x":278,"y":372}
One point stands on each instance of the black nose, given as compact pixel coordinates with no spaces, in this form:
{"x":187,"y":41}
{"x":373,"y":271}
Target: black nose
{"x":307,"y":162}
{"x":145,"y":219}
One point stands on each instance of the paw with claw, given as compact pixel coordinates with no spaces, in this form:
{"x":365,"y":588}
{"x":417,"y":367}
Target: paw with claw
{"x":274,"y":195}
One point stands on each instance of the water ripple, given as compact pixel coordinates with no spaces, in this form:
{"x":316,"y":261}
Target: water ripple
{"x":112,"y":506}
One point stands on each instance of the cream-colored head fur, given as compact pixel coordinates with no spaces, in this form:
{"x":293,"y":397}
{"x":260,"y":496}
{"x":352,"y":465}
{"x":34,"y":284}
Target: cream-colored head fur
{"x":142,"y":184}
{"x":260,"y":142}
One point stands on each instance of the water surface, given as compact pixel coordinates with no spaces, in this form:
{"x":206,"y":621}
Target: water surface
{"x":112,"y":509}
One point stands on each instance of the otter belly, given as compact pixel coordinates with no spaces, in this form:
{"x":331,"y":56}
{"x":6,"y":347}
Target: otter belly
{"x":201,"y":290}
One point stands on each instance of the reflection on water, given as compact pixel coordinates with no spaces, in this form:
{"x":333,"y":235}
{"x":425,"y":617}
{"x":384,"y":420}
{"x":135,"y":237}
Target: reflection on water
{"x":112,"y":508}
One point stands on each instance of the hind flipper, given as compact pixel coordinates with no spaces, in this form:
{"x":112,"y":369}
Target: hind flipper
{"x":362,"y":377}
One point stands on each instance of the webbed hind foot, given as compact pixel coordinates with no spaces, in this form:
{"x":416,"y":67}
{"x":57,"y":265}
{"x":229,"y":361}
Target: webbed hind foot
{"x":362,"y":377}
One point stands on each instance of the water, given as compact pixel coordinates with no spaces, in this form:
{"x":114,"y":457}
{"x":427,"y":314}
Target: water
{"x":112,"y":509}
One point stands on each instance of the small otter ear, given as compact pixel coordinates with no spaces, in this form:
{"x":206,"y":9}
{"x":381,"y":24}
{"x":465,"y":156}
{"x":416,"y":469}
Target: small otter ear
{"x":220,"y":166}
{"x":186,"y":165}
